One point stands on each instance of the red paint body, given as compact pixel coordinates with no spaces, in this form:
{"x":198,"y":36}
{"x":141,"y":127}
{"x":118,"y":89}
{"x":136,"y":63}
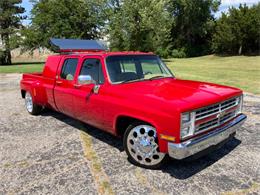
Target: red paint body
{"x":159,"y":102}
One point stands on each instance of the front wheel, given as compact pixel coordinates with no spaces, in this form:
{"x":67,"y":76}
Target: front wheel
{"x":141,"y":146}
{"x":31,"y":107}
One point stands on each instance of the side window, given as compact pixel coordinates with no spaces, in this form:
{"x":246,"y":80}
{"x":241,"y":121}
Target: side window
{"x":93,"y":68}
{"x":69,"y":69}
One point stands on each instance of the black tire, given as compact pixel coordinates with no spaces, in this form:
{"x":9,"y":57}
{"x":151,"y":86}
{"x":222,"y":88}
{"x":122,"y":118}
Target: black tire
{"x":131,"y":156}
{"x":33,"y":109}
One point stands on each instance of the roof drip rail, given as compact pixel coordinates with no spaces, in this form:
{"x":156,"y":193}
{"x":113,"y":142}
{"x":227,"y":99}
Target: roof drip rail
{"x":77,"y":45}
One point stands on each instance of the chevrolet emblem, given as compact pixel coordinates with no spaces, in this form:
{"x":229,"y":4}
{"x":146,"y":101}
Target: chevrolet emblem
{"x":221,"y":114}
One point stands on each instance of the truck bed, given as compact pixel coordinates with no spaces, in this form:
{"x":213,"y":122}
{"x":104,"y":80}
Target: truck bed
{"x":32,"y":75}
{"x":40,"y":87}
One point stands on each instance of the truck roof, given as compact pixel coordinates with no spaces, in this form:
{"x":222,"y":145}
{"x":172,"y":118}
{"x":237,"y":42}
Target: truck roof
{"x":86,"y":47}
{"x":104,"y":53}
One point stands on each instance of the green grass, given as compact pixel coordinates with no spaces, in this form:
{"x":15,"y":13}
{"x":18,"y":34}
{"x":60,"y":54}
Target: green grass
{"x":238,"y":71}
{"x":22,"y":67}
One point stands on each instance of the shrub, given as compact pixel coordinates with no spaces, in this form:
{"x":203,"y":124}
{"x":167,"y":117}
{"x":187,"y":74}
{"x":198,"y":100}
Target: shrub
{"x":2,"y":56}
{"x":179,"y":53}
{"x":163,"y":52}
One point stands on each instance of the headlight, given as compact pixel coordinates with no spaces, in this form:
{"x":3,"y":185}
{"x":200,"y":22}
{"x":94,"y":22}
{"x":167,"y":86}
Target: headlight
{"x":240,"y":104}
{"x":185,"y":117}
{"x":187,"y":124}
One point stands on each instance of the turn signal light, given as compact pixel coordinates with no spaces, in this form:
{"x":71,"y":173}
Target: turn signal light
{"x":167,"y":137}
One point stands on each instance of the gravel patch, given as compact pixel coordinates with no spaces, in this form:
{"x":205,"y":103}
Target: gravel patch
{"x":48,"y":154}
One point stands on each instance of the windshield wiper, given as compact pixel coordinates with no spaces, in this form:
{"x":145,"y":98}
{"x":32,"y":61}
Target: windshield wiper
{"x":130,"y":80}
{"x":156,"y":77}
{"x":142,"y":79}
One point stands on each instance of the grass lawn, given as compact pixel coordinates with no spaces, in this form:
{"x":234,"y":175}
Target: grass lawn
{"x":22,"y":67}
{"x":238,"y":71}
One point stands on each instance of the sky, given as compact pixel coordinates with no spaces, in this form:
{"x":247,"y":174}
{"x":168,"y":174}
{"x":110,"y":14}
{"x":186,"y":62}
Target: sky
{"x":28,"y":6}
{"x":225,"y":4}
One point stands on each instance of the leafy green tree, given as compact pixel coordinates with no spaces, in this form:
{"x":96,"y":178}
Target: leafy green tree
{"x":140,"y":25}
{"x":10,"y":21}
{"x":238,"y":31}
{"x":63,"y":19}
{"x":193,"y":25}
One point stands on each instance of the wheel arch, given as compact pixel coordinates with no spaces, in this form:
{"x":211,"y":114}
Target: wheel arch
{"x":23,"y":93}
{"x":123,"y":121}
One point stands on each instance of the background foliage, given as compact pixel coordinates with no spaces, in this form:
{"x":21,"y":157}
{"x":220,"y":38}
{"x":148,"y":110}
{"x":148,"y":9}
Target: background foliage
{"x":238,"y":32}
{"x":62,"y":19}
{"x":170,"y":28}
{"x":9,"y":24}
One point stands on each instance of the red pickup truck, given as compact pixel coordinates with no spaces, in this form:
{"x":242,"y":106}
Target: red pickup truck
{"x":135,"y":96}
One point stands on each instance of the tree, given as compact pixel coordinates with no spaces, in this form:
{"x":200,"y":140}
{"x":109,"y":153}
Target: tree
{"x":237,"y":32}
{"x":63,"y":19}
{"x":193,"y":25}
{"x":10,"y":21}
{"x":140,"y":25}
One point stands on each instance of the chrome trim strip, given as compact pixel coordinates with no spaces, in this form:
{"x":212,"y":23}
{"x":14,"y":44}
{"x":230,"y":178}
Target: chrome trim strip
{"x":195,"y":145}
{"x":218,"y":110}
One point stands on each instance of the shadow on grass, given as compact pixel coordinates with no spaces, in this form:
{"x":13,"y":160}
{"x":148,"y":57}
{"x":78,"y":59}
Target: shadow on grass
{"x":168,"y":60}
{"x":236,"y":55}
{"x":179,"y":169}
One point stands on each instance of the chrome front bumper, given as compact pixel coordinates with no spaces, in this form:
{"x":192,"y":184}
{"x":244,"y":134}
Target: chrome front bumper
{"x":195,"y":145}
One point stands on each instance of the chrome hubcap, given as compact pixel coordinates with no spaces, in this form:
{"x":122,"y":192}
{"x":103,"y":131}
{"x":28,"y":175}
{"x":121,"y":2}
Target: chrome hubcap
{"x":142,"y":145}
{"x":28,"y":102}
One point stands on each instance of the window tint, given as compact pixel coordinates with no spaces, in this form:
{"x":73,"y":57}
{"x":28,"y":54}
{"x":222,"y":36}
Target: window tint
{"x":151,"y":66}
{"x":135,"y":67}
{"x":69,"y":69}
{"x":128,"y":66}
{"x":93,"y":68}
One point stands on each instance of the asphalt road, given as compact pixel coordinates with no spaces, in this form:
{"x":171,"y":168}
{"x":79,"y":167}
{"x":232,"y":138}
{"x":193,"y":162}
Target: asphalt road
{"x":54,"y":154}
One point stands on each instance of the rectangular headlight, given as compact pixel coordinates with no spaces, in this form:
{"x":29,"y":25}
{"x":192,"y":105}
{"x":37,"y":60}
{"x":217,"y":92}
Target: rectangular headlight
{"x":185,"y":117}
{"x":187,"y":124}
{"x":240,"y":104}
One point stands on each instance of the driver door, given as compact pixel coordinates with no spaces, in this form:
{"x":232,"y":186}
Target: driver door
{"x":88,"y":98}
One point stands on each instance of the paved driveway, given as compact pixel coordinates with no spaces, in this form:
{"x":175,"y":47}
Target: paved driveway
{"x":52,"y":153}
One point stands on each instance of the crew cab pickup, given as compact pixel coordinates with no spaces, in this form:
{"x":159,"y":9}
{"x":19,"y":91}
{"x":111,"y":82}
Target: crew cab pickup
{"x":135,"y":96}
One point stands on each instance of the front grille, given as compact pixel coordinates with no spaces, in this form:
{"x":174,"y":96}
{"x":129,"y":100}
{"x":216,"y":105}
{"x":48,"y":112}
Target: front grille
{"x":227,"y":116}
{"x":214,"y":115}
{"x":207,"y":125}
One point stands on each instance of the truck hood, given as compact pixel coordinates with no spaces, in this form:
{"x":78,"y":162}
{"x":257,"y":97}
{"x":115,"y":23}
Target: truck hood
{"x":184,"y":94}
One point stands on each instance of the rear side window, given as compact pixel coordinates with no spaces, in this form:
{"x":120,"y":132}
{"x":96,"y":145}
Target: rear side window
{"x":69,"y":68}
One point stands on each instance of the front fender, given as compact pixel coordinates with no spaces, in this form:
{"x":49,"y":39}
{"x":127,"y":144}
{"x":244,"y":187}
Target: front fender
{"x":164,"y":124}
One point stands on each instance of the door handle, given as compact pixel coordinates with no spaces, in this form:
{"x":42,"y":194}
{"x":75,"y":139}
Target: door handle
{"x":58,"y":82}
{"x":77,"y":86}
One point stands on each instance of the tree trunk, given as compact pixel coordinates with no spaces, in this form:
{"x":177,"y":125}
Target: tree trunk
{"x":6,"y":58}
{"x":240,"y":50}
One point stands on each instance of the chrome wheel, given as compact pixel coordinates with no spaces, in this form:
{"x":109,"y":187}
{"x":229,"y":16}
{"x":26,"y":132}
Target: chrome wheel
{"x":142,"y":145}
{"x":28,"y":102}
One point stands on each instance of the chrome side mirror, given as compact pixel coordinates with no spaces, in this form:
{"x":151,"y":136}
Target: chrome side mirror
{"x":85,"y":80}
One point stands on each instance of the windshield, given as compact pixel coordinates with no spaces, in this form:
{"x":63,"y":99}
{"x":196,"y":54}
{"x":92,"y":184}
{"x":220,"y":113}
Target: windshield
{"x":130,"y":68}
